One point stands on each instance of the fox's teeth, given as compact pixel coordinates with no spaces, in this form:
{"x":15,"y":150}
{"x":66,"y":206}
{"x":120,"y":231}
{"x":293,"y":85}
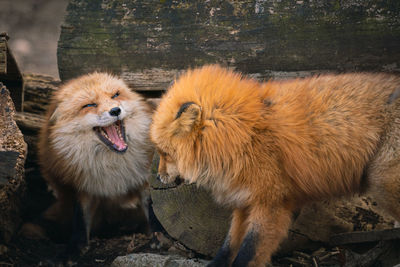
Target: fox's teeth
{"x":105,"y":135}
{"x":119,"y":131}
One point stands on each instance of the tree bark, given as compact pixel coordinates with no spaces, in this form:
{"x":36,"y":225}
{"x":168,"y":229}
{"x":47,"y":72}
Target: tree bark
{"x":13,"y":151}
{"x":149,"y":43}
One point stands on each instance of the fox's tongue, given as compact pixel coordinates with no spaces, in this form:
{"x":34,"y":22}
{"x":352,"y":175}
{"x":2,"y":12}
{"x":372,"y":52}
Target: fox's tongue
{"x":115,"y":137}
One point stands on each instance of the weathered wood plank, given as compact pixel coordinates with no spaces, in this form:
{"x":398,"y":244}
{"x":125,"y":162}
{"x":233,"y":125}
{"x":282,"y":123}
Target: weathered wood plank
{"x":150,"y":42}
{"x":29,"y":121}
{"x":3,"y":56}
{"x":13,"y":151}
{"x":365,"y":236}
{"x":10,"y":75}
{"x":38,"y":91}
{"x":8,"y":160}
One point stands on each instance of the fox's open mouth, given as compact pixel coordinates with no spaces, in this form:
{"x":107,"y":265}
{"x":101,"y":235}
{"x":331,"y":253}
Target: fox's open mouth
{"x":113,"y":136}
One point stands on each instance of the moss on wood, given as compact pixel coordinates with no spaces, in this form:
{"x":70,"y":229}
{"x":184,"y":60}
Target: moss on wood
{"x":256,"y":37}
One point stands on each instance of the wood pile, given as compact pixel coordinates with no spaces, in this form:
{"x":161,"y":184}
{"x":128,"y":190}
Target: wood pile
{"x":150,"y":43}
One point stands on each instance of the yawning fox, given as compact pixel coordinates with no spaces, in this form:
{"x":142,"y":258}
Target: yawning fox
{"x":94,"y":150}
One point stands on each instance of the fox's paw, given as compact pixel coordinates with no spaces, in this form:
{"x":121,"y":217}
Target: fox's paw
{"x":218,"y":263}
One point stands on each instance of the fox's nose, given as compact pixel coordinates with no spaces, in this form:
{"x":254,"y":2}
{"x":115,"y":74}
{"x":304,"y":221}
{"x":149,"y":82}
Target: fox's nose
{"x":115,"y":111}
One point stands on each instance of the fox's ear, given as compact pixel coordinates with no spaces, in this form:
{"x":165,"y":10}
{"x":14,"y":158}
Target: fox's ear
{"x":187,"y":117}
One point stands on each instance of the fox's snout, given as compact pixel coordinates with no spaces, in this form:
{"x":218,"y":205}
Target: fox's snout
{"x":165,"y":179}
{"x":116,"y":111}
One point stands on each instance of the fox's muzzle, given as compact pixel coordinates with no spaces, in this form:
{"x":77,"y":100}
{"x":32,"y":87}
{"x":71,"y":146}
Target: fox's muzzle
{"x":178,"y":180}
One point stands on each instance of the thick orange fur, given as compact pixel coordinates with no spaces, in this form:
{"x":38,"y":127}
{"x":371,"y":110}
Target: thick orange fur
{"x":268,"y":148}
{"x":78,"y":166}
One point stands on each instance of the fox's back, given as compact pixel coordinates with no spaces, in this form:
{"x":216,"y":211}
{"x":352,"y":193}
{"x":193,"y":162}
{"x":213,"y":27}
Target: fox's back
{"x":328,"y":127}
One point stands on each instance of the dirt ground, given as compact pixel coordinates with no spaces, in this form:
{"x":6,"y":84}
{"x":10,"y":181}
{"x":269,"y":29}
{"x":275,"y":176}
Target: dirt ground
{"x":105,"y":245}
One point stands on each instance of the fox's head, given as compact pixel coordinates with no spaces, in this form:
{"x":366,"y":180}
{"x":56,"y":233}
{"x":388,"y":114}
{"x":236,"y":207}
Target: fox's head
{"x":203,"y":125}
{"x":95,"y":106}
{"x":187,"y":118}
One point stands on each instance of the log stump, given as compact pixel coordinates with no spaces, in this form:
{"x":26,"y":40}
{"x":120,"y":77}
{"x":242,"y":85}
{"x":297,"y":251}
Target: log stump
{"x":189,"y":214}
{"x":13,"y":150}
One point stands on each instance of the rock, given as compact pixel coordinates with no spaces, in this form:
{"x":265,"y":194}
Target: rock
{"x":13,"y":151}
{"x":156,"y":260}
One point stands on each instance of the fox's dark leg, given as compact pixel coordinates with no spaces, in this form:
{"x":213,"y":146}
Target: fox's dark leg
{"x":79,"y":236}
{"x":84,"y":210}
{"x":266,"y":229}
{"x":232,"y":241}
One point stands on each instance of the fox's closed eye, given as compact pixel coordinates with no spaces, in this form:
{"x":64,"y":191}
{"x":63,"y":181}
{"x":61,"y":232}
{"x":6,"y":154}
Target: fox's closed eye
{"x":116,"y":95}
{"x":161,"y":153}
{"x":90,"y":105}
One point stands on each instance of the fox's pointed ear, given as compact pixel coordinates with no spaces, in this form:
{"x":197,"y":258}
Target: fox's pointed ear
{"x":187,"y":117}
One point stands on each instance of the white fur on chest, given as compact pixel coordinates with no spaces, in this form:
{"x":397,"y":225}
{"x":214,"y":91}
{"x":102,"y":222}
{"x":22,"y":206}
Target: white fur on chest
{"x":99,"y":171}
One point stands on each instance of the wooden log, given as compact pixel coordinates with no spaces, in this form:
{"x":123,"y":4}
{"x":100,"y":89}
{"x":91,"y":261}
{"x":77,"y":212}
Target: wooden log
{"x":367,"y":236}
{"x":150,"y":42}
{"x":29,"y":121}
{"x":353,"y":259}
{"x":10,"y":74}
{"x":189,"y":215}
{"x":38,"y":91}
{"x":13,"y":151}
{"x":3,"y":54}
{"x":8,"y":160}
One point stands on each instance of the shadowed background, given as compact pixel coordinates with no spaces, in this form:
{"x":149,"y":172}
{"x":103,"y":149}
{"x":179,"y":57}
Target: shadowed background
{"x":34,"y":29}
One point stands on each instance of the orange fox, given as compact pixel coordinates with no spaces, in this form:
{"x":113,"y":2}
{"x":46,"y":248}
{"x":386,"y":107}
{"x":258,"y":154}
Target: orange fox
{"x":266,"y":149}
{"x":95,"y":151}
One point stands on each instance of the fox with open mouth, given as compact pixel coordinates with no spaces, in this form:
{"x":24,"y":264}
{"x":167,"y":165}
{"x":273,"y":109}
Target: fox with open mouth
{"x":94,"y":151}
